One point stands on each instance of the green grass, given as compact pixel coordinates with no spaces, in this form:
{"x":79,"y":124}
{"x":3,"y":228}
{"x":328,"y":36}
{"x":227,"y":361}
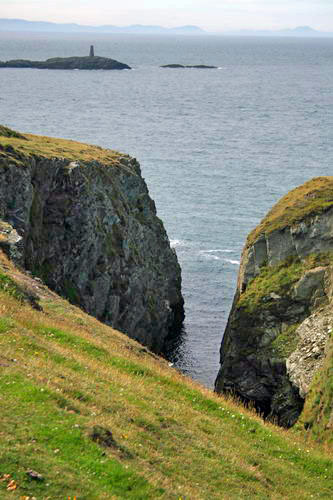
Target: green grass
{"x":14,"y":144}
{"x":6,"y":324}
{"x":159,"y":434}
{"x":271,"y":279}
{"x":7,"y":132}
{"x":286,"y":342}
{"x":313,"y":197}
{"x":9,"y":286}
{"x":71,"y":340}
{"x":279,"y":279}
{"x":56,"y":444}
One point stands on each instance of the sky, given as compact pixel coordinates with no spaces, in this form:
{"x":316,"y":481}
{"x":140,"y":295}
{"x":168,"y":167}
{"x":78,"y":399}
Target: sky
{"x":212,"y":15}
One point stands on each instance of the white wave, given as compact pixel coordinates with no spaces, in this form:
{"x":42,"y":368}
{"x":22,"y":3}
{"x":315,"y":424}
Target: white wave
{"x":177,"y":243}
{"x":234,"y":262}
{"x":218,"y":250}
{"x":209,"y":255}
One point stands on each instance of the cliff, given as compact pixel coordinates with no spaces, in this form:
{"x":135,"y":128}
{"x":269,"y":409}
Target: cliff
{"x":278,"y":333}
{"x":80,"y":218}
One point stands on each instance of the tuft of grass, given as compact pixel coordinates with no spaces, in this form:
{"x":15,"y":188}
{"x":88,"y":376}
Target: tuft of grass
{"x":271,"y":279}
{"x":313,"y":197}
{"x":286,"y":342}
{"x":7,"y":132}
{"x":9,"y":286}
{"x":6,"y":324}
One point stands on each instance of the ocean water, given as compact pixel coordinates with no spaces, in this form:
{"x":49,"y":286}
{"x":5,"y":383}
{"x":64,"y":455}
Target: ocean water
{"x":217,"y":147}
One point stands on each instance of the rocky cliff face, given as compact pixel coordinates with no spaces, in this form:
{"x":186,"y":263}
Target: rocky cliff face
{"x":81,"y":219}
{"x":280,"y":323}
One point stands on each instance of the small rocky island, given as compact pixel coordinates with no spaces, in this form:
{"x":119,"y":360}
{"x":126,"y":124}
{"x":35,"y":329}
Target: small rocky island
{"x":86,"y":62}
{"x":181,"y":66}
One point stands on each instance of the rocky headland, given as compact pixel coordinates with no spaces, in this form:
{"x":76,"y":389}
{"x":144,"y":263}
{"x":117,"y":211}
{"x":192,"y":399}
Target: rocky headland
{"x":87,"y":62}
{"x":279,"y":333}
{"x":80,"y":218}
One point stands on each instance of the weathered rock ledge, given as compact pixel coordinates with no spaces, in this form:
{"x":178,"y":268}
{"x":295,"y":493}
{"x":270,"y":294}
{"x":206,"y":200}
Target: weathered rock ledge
{"x":80,"y":217}
{"x":279,"y":326}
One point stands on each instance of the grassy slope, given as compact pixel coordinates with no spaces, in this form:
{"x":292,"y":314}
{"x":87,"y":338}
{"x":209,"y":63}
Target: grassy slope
{"x":62,"y":373}
{"x":313,"y":197}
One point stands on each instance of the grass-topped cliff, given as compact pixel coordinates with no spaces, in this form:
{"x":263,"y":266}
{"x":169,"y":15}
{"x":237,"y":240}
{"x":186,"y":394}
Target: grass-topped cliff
{"x":276,"y":351}
{"x":99,"y":417}
{"x":311,"y":198}
{"x":15,"y":146}
{"x":82,"y":220}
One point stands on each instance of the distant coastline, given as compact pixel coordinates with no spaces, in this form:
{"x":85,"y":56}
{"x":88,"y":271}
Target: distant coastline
{"x":48,"y":27}
{"x":22,"y":25}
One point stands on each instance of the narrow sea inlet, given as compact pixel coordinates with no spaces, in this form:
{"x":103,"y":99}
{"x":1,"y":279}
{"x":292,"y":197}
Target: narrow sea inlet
{"x":217,"y":148}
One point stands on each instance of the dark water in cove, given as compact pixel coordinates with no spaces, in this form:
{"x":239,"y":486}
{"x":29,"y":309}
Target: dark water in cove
{"x":217,"y":147}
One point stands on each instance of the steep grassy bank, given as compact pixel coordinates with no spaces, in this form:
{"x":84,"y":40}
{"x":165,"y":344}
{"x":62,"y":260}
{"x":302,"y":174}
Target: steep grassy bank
{"x":100,"y":417}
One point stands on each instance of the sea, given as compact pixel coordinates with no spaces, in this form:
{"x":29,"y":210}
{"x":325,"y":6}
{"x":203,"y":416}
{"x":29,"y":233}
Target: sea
{"x":217,"y":147}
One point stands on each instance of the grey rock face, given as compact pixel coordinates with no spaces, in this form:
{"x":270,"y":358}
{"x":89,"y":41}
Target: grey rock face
{"x":304,"y":362}
{"x":313,"y":235}
{"x":90,"y":231}
{"x":270,"y":354}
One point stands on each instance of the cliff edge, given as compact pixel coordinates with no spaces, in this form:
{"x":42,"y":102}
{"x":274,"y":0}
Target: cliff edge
{"x":278,"y":333}
{"x":80,"y":218}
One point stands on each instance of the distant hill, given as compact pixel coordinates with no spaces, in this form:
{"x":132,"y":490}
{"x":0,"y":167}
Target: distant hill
{"x":44,"y":26}
{"x":302,"y":30}
{"x":299,"y":31}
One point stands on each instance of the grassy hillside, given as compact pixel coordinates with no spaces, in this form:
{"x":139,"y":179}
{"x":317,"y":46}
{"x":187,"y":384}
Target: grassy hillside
{"x":100,"y":417}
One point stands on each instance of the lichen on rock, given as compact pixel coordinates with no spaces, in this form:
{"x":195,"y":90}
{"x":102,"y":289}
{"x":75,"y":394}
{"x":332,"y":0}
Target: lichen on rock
{"x":85,"y":224}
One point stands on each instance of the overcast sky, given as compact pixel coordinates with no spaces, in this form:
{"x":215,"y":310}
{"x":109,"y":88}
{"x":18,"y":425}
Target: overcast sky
{"x":213,"y":15}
